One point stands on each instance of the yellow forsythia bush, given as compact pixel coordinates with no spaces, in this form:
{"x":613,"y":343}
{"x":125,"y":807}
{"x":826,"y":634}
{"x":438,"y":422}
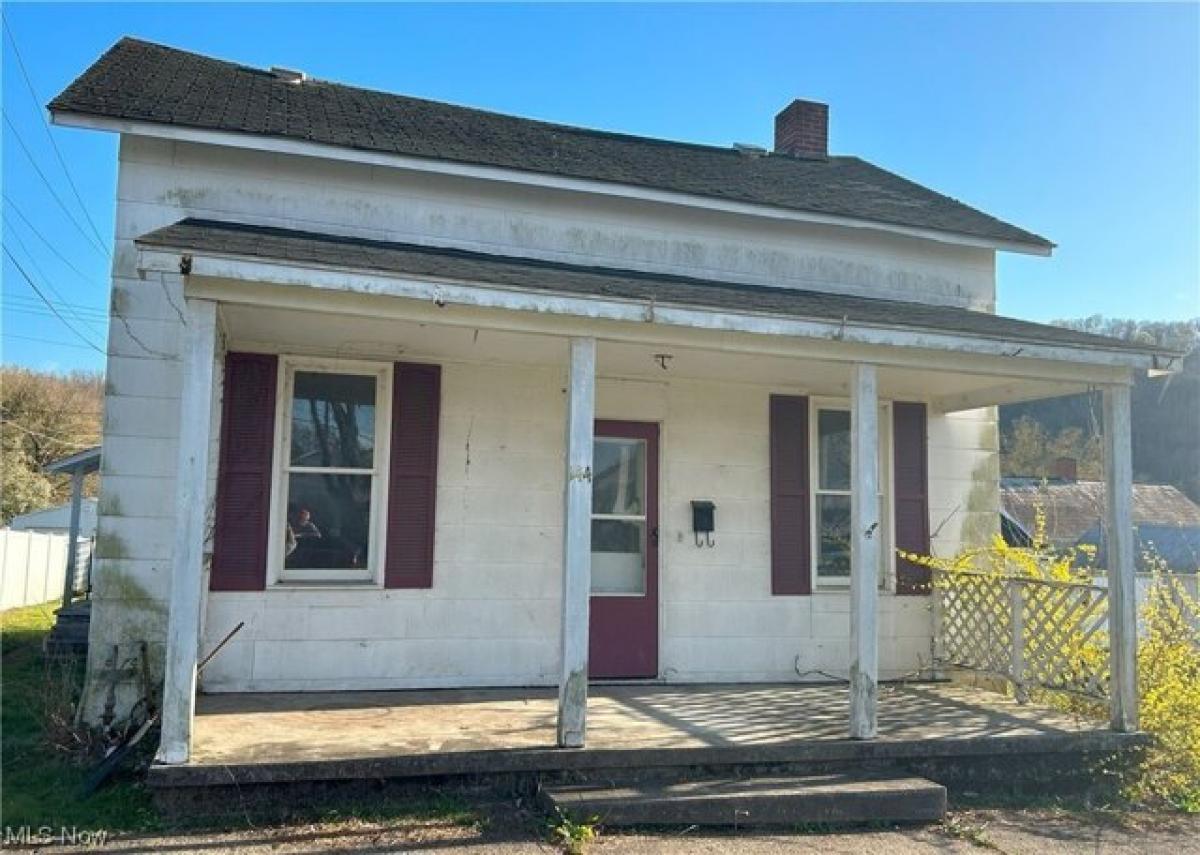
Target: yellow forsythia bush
{"x":1169,"y":695}
{"x":1168,"y":653}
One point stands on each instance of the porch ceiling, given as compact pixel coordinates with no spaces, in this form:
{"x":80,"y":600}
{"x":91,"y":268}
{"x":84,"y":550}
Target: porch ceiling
{"x":311,"y":333}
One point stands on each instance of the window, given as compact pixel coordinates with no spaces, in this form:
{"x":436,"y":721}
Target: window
{"x":619,"y":516}
{"x":832,"y":488}
{"x":329,"y":491}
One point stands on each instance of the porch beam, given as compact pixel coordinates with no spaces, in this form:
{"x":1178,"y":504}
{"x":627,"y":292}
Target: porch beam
{"x":187,"y":557}
{"x":864,"y":551}
{"x":326,"y":296}
{"x":577,"y":544}
{"x":473,"y":294}
{"x":1005,"y":393}
{"x":1122,"y":599}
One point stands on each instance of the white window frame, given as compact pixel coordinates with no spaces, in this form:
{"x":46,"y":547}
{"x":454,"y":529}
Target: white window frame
{"x":887,"y":569}
{"x":643,"y":518}
{"x":279,"y":576}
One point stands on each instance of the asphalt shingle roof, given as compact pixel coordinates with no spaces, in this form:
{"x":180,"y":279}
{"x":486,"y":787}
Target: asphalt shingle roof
{"x":435,"y":263}
{"x":1166,"y":522}
{"x":1073,"y":508}
{"x":140,"y":81}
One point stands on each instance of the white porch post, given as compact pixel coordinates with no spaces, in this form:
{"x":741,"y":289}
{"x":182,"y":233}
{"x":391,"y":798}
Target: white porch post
{"x":1122,"y":599}
{"x":577,"y":544}
{"x":864,"y":551}
{"x":73,"y":543}
{"x":183,"y":627}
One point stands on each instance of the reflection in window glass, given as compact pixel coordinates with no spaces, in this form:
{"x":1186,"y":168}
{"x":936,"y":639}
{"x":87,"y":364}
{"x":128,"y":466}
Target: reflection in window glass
{"x":833,"y":536}
{"x":618,"y":556}
{"x":833,"y":436}
{"x":619,"y":479}
{"x":333,"y":420}
{"x":328,"y":521}
{"x":329,"y":472}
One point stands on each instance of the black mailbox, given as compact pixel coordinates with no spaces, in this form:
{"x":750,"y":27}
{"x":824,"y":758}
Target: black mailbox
{"x":704,"y":521}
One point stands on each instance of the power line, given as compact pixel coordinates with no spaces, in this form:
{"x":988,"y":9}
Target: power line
{"x":38,"y":310}
{"x":46,"y":279}
{"x":49,"y":186}
{"x":37,"y":103}
{"x":86,"y":308}
{"x":51,"y":341}
{"x":49,"y":244}
{"x":38,"y":291}
{"x":16,"y":301}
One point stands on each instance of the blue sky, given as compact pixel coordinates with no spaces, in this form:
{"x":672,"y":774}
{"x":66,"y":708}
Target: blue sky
{"x":1081,"y":123}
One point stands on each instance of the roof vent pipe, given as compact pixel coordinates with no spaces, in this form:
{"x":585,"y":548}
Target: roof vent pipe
{"x":290,"y":75}
{"x":747,"y":150}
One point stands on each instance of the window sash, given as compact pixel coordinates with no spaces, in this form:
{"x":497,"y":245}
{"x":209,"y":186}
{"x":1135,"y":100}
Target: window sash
{"x":372,"y":571}
{"x":887,"y":573}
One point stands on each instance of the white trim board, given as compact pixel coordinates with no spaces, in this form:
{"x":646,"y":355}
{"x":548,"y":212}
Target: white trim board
{"x":444,"y":293}
{"x":301,"y":148}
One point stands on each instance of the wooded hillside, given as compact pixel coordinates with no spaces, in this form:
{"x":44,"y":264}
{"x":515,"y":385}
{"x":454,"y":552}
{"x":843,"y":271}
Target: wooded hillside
{"x":45,"y":417}
{"x":1166,"y":416}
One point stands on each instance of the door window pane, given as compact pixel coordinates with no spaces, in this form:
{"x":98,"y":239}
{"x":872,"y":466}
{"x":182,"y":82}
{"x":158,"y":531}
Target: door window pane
{"x":833,"y":438}
{"x":328,"y":521}
{"x":333,"y":420}
{"x":618,"y":477}
{"x":618,"y":556}
{"x":833,"y":536}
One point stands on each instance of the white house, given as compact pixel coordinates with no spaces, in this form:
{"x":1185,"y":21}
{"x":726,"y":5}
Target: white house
{"x":426,"y":396}
{"x":57,"y":520}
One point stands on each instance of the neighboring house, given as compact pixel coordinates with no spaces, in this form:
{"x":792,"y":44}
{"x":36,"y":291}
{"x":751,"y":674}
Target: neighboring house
{"x":396,"y":383}
{"x":1167,"y":522}
{"x":57,"y":520}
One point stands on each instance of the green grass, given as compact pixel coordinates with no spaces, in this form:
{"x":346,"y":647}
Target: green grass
{"x":41,"y":783}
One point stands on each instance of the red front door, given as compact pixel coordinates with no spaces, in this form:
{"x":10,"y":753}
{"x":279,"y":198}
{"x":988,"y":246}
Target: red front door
{"x":624,"y":602}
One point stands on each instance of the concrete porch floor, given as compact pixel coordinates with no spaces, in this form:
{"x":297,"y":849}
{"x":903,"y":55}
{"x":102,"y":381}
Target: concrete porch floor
{"x":338,"y":735}
{"x":248,"y":728}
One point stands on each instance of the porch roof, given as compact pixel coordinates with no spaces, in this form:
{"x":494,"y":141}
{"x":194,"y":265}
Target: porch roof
{"x":232,"y":239}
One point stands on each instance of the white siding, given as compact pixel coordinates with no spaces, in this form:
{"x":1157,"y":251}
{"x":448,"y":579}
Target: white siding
{"x":162,"y":181}
{"x":491,"y":616}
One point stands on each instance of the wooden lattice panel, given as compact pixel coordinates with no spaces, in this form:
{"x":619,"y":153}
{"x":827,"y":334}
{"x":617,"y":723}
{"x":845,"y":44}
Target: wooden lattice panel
{"x":1066,"y":637}
{"x":976,"y":624}
{"x":1034,"y":633}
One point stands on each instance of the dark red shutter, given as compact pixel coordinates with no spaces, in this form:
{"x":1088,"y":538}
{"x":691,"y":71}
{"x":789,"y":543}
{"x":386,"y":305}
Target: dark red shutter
{"x":791,"y":563}
{"x":412,"y":478}
{"x":244,"y":477}
{"x":910,"y":453}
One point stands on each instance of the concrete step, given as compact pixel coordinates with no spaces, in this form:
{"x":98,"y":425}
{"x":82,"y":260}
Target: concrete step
{"x":837,"y":798}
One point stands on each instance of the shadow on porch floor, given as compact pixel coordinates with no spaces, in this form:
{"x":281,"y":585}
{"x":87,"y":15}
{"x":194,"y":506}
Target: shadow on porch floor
{"x":239,"y":729}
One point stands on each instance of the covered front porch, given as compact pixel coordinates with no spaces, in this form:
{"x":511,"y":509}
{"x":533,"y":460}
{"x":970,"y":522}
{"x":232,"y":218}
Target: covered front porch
{"x":545,"y":352}
{"x":286,"y":737}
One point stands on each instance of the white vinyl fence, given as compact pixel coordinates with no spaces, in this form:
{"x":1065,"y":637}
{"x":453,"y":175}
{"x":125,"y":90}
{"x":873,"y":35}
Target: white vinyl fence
{"x":33,"y":566}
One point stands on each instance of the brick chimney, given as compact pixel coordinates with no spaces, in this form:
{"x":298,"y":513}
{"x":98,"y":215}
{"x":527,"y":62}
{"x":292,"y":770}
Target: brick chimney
{"x":1065,"y":469}
{"x":802,"y":129}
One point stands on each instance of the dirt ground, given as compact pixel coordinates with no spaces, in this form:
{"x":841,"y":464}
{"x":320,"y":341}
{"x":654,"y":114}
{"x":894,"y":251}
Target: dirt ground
{"x":1006,"y":831}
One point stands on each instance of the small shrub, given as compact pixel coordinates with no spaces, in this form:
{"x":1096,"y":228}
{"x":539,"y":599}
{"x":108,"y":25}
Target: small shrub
{"x":1169,"y":696}
{"x":573,"y":836}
